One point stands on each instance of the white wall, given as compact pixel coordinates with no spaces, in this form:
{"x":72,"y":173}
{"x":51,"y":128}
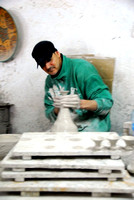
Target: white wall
{"x":103,"y":28}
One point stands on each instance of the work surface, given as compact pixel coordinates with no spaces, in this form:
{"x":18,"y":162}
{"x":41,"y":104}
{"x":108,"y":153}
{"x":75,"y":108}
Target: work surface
{"x":49,"y":143}
{"x":66,"y":162}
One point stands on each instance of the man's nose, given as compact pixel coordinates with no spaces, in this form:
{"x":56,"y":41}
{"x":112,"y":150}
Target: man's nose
{"x":48,"y":65}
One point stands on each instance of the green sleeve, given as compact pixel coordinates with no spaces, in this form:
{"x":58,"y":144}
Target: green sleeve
{"x":94,"y":89}
{"x":100,"y":93}
{"x":48,"y":102}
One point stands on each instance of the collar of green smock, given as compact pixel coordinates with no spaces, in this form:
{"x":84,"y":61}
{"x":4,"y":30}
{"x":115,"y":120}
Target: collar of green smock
{"x":63,"y":70}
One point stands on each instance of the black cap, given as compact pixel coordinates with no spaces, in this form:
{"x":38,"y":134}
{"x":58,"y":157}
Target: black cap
{"x":42,"y":52}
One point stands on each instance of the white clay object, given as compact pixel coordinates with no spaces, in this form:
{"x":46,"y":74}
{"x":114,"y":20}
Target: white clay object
{"x":97,"y":139}
{"x":113,"y":138}
{"x":129,"y":140}
{"x":64,"y":122}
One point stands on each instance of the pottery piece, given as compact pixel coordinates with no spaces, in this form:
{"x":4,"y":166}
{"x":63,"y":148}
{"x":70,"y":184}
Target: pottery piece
{"x":130,"y":167}
{"x":121,"y":144}
{"x":113,"y":138}
{"x":129,"y":140}
{"x":8,"y":35}
{"x":106,"y":144}
{"x":64,"y":122}
{"x":128,"y":160}
{"x":98,"y":140}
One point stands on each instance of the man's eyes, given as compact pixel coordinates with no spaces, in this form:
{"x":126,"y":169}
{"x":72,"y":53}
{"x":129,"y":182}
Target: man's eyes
{"x":48,"y":60}
{"x":44,"y":63}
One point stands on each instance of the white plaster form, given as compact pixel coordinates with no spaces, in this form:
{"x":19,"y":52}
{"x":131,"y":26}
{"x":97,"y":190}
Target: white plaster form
{"x":15,"y":167}
{"x":70,"y":186}
{"x":51,"y":143}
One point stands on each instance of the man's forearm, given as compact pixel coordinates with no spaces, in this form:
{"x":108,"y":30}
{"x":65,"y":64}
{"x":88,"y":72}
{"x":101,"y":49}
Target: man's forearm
{"x":88,"y":105}
{"x":84,"y":104}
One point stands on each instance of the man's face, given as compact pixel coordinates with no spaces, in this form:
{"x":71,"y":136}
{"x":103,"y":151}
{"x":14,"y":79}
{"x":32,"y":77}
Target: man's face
{"x":53,"y":66}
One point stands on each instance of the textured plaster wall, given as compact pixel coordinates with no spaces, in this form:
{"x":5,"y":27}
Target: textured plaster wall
{"x":104,"y":28}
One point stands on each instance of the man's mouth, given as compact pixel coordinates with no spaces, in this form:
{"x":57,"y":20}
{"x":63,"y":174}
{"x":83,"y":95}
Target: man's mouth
{"x":51,"y":69}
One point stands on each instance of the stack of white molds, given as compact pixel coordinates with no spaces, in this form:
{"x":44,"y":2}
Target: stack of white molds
{"x":66,"y":162}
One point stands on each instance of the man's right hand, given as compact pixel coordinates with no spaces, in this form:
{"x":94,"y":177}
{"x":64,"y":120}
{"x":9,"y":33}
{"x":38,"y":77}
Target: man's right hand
{"x":67,"y":101}
{"x":57,"y":101}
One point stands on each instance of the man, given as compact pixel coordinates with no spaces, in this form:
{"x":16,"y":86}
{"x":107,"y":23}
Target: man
{"x":88,"y":98}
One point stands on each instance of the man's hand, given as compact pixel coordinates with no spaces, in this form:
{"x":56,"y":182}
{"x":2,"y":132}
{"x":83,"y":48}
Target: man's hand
{"x":57,"y":101}
{"x":67,"y":101}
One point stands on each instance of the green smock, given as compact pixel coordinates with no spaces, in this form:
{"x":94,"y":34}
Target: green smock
{"x":80,"y":77}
